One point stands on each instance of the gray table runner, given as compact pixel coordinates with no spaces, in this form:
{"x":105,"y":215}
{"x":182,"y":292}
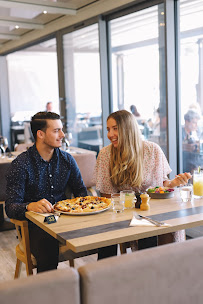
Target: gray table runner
{"x":125,"y":224}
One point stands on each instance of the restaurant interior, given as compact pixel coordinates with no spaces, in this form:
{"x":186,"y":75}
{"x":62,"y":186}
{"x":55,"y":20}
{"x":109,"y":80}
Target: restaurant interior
{"x":88,"y":59}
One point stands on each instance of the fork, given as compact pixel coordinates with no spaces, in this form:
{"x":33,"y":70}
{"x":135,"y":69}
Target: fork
{"x":140,"y":217}
{"x":55,"y":212}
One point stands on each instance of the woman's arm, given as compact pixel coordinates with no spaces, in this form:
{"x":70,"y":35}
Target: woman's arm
{"x":180,"y":180}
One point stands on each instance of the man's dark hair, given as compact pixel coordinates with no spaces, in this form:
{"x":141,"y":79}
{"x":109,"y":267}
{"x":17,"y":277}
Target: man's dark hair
{"x":39,"y":121}
{"x":190,"y":115}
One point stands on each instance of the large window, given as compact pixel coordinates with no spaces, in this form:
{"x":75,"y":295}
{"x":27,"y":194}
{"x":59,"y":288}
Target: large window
{"x":83,"y":88}
{"x":33,"y":81}
{"x":191,"y":71}
{"x":138,"y":70}
{"x":33,"y":78}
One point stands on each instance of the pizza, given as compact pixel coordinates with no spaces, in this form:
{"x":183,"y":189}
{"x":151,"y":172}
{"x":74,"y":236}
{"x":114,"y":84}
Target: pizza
{"x":86,"y":204}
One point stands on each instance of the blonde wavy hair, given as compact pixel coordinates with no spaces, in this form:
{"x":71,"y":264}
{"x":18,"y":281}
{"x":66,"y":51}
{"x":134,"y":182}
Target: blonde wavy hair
{"x":126,"y":163}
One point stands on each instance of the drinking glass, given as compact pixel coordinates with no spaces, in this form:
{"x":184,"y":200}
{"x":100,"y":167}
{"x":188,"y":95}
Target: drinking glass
{"x":128,"y":196}
{"x":117,"y":203}
{"x":3,"y":146}
{"x":68,"y":140}
{"x":2,"y":151}
{"x":186,"y":193}
{"x":198,"y":183}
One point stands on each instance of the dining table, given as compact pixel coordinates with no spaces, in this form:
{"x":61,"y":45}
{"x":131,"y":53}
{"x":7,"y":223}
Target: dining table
{"x":86,"y":232}
{"x":85,"y":159}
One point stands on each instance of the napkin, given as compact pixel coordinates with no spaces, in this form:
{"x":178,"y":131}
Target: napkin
{"x":143,"y":222}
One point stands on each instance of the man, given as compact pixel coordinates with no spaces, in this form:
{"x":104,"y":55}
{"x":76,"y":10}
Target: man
{"x":190,"y":131}
{"x":49,"y":106}
{"x":37,"y":179}
{"x":190,"y":141}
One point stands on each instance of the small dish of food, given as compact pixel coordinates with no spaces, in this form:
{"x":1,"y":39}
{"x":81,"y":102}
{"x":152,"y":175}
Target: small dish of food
{"x":160,"y":192}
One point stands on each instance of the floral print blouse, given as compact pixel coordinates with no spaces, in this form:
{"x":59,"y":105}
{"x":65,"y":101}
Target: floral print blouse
{"x":156,"y":169}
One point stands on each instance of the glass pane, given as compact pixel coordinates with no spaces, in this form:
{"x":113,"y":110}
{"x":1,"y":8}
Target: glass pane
{"x":82,"y":86}
{"x":138,"y":71}
{"x":191,"y":68}
{"x":33,"y":81}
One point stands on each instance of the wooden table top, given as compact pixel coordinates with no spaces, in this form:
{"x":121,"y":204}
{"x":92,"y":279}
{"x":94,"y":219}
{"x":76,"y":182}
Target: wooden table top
{"x":9,"y":159}
{"x":87,"y":232}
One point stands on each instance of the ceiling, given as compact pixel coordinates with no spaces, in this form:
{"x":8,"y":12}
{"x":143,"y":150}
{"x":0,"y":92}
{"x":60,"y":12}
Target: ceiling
{"x":18,"y":17}
{"x":22,"y":21}
{"x":25,"y":21}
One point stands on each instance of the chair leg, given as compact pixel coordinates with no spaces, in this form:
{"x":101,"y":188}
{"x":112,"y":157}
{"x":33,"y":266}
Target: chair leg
{"x":29,"y":269}
{"x":123,"y":248}
{"x":71,"y":262}
{"x":18,"y":269}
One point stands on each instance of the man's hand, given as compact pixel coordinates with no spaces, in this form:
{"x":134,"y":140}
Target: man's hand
{"x":42,"y":206}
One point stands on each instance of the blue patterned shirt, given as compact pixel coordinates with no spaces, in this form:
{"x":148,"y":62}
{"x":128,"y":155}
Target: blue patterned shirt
{"x":30,"y":178}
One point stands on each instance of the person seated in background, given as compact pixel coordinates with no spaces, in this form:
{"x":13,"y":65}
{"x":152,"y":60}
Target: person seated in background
{"x":37,"y":179}
{"x":154,"y":123}
{"x":134,"y":111}
{"x":132,"y":163}
{"x":145,"y":129}
{"x":190,"y":134}
{"x":190,"y":141}
{"x":49,"y":106}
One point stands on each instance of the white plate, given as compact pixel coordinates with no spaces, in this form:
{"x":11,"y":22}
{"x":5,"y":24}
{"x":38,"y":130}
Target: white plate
{"x":84,"y":213}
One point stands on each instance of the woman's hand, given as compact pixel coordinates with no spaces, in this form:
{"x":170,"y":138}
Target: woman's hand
{"x":180,"y":179}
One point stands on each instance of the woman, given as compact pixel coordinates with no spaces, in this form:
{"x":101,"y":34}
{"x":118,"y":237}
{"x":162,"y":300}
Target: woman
{"x":131,"y":163}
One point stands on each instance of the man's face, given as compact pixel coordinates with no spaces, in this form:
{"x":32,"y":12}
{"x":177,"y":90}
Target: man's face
{"x":191,"y":125}
{"x":49,"y":107}
{"x":53,"y":135}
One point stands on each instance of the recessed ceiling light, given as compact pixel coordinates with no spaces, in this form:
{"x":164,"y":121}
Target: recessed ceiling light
{"x":17,"y":26}
{"x":162,"y":13}
{"x":44,"y":12}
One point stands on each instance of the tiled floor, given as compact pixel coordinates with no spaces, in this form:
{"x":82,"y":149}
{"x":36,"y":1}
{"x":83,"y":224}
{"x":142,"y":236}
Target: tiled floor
{"x":8,"y":243}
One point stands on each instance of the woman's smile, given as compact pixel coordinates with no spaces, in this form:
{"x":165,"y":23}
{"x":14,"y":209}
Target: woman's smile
{"x":114,"y":142}
{"x":112,"y":130}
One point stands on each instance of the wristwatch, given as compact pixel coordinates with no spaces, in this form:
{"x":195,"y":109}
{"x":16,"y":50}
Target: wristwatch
{"x":26,"y":207}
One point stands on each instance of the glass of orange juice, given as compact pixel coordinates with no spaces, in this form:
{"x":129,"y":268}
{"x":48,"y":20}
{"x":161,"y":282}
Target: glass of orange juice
{"x":198,"y":183}
{"x":129,"y":198}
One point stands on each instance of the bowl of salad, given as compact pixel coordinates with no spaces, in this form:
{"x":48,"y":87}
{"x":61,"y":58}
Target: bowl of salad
{"x":160,"y":192}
